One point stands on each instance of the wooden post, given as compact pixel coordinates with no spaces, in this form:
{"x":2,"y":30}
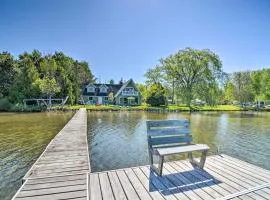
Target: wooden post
{"x":150,"y":154}
{"x":190,"y":157}
{"x":160,"y":165}
{"x":203,"y":158}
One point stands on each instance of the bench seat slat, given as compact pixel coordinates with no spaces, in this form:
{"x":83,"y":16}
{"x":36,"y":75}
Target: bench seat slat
{"x":168,"y":131}
{"x":182,"y":149}
{"x":170,"y":140}
{"x":168,"y":123}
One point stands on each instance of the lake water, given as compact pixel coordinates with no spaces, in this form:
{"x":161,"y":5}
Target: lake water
{"x":23,"y":137}
{"x":118,"y":139}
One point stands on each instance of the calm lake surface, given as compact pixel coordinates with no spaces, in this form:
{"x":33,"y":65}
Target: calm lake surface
{"x":23,"y":137}
{"x":118,"y":139}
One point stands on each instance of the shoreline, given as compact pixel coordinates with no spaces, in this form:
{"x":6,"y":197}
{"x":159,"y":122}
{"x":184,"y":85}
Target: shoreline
{"x":143,"y":108}
{"x":160,"y":109}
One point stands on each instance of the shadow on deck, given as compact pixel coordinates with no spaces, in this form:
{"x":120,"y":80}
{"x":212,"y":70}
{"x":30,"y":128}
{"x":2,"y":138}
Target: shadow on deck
{"x":181,"y":181}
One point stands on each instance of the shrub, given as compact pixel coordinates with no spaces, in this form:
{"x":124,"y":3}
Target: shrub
{"x":5,"y":105}
{"x":156,"y":95}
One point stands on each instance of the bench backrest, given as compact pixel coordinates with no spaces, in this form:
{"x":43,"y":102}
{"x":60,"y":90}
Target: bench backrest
{"x":168,"y":132}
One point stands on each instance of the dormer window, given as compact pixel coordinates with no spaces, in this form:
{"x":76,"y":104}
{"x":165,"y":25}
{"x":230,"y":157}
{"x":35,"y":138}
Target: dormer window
{"x":103,"y":89}
{"x":90,"y":89}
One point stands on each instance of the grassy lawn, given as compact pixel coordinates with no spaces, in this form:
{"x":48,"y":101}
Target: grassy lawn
{"x":173,"y":108}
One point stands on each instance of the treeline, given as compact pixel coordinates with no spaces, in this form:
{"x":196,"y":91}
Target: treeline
{"x":192,"y":76}
{"x":247,"y":87}
{"x":33,"y":75}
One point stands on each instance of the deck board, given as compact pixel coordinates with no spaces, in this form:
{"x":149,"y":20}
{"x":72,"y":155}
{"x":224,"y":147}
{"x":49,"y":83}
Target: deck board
{"x":61,"y":170}
{"x":223,"y":178}
{"x":116,"y":186}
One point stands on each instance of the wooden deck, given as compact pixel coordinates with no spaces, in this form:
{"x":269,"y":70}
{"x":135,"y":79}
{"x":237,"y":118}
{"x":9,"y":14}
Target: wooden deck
{"x":223,"y":178}
{"x":61,"y":170}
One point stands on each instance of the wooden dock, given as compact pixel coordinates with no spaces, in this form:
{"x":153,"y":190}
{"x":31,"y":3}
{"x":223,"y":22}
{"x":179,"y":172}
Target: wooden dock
{"x":223,"y":178}
{"x":61,"y":170}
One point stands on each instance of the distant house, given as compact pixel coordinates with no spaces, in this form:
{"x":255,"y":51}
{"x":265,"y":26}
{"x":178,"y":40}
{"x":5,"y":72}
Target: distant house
{"x":123,"y":94}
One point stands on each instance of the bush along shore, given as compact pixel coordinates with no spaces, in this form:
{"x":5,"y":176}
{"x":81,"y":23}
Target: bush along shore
{"x":160,"y":109}
{"x":146,"y":108}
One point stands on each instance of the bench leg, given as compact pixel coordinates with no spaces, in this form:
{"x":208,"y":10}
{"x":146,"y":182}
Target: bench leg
{"x":160,"y":165}
{"x":150,"y":154}
{"x":190,"y":157}
{"x":202,"y":160}
{"x":158,"y":169}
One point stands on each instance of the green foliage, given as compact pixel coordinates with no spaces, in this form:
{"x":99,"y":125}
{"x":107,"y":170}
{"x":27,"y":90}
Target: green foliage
{"x":36,"y":76}
{"x":48,"y":86}
{"x":5,"y":105}
{"x":21,"y":108}
{"x":111,"y":98}
{"x":143,"y":91}
{"x":156,"y":95}
{"x":195,"y":73}
{"x":248,"y":86}
{"x":111,"y":81}
{"x":243,"y":86}
{"x":154,"y":75}
{"x":265,"y":91}
{"x":229,"y":93}
{"x":257,"y":86}
{"x":7,"y":73}
{"x":144,"y":107}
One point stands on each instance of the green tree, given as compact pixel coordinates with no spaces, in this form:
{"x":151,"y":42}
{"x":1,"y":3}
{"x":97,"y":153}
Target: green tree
{"x":121,"y":81}
{"x":191,"y":68}
{"x":7,"y":73}
{"x":48,"y":87}
{"x":154,"y":76}
{"x":243,"y":86}
{"x":156,"y":95}
{"x":229,"y":92}
{"x":111,"y":98}
{"x":143,"y":91}
{"x":111,"y":81}
{"x":71,"y":76}
{"x":265,"y":84}
{"x":256,"y":78}
{"x":24,"y":82}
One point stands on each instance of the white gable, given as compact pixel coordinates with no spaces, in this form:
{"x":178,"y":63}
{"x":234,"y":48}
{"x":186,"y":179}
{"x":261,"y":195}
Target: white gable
{"x":103,"y":88}
{"x":90,"y":88}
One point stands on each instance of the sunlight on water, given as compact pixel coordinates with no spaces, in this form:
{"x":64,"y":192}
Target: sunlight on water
{"x":23,"y":138}
{"x":118,"y":139}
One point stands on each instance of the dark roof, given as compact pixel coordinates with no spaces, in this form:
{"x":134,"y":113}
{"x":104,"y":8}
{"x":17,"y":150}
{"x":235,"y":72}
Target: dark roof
{"x":116,"y":89}
{"x":111,"y":88}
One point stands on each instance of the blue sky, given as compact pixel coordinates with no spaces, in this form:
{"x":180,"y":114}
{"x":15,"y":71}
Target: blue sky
{"x":123,"y":38}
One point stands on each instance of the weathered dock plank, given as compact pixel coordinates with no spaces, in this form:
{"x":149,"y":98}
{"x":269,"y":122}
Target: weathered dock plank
{"x":223,"y":178}
{"x":61,"y":170}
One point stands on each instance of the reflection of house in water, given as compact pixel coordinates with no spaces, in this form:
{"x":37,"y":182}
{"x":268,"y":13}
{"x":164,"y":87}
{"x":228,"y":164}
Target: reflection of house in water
{"x":123,"y":94}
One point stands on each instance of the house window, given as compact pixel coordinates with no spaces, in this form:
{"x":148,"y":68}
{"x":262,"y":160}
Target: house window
{"x":90,"y":98}
{"x":103,"y":89}
{"x":90,"y":89}
{"x":106,"y":98}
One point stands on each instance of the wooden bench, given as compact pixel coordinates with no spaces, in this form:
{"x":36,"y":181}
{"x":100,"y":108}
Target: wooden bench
{"x":169,"y":137}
